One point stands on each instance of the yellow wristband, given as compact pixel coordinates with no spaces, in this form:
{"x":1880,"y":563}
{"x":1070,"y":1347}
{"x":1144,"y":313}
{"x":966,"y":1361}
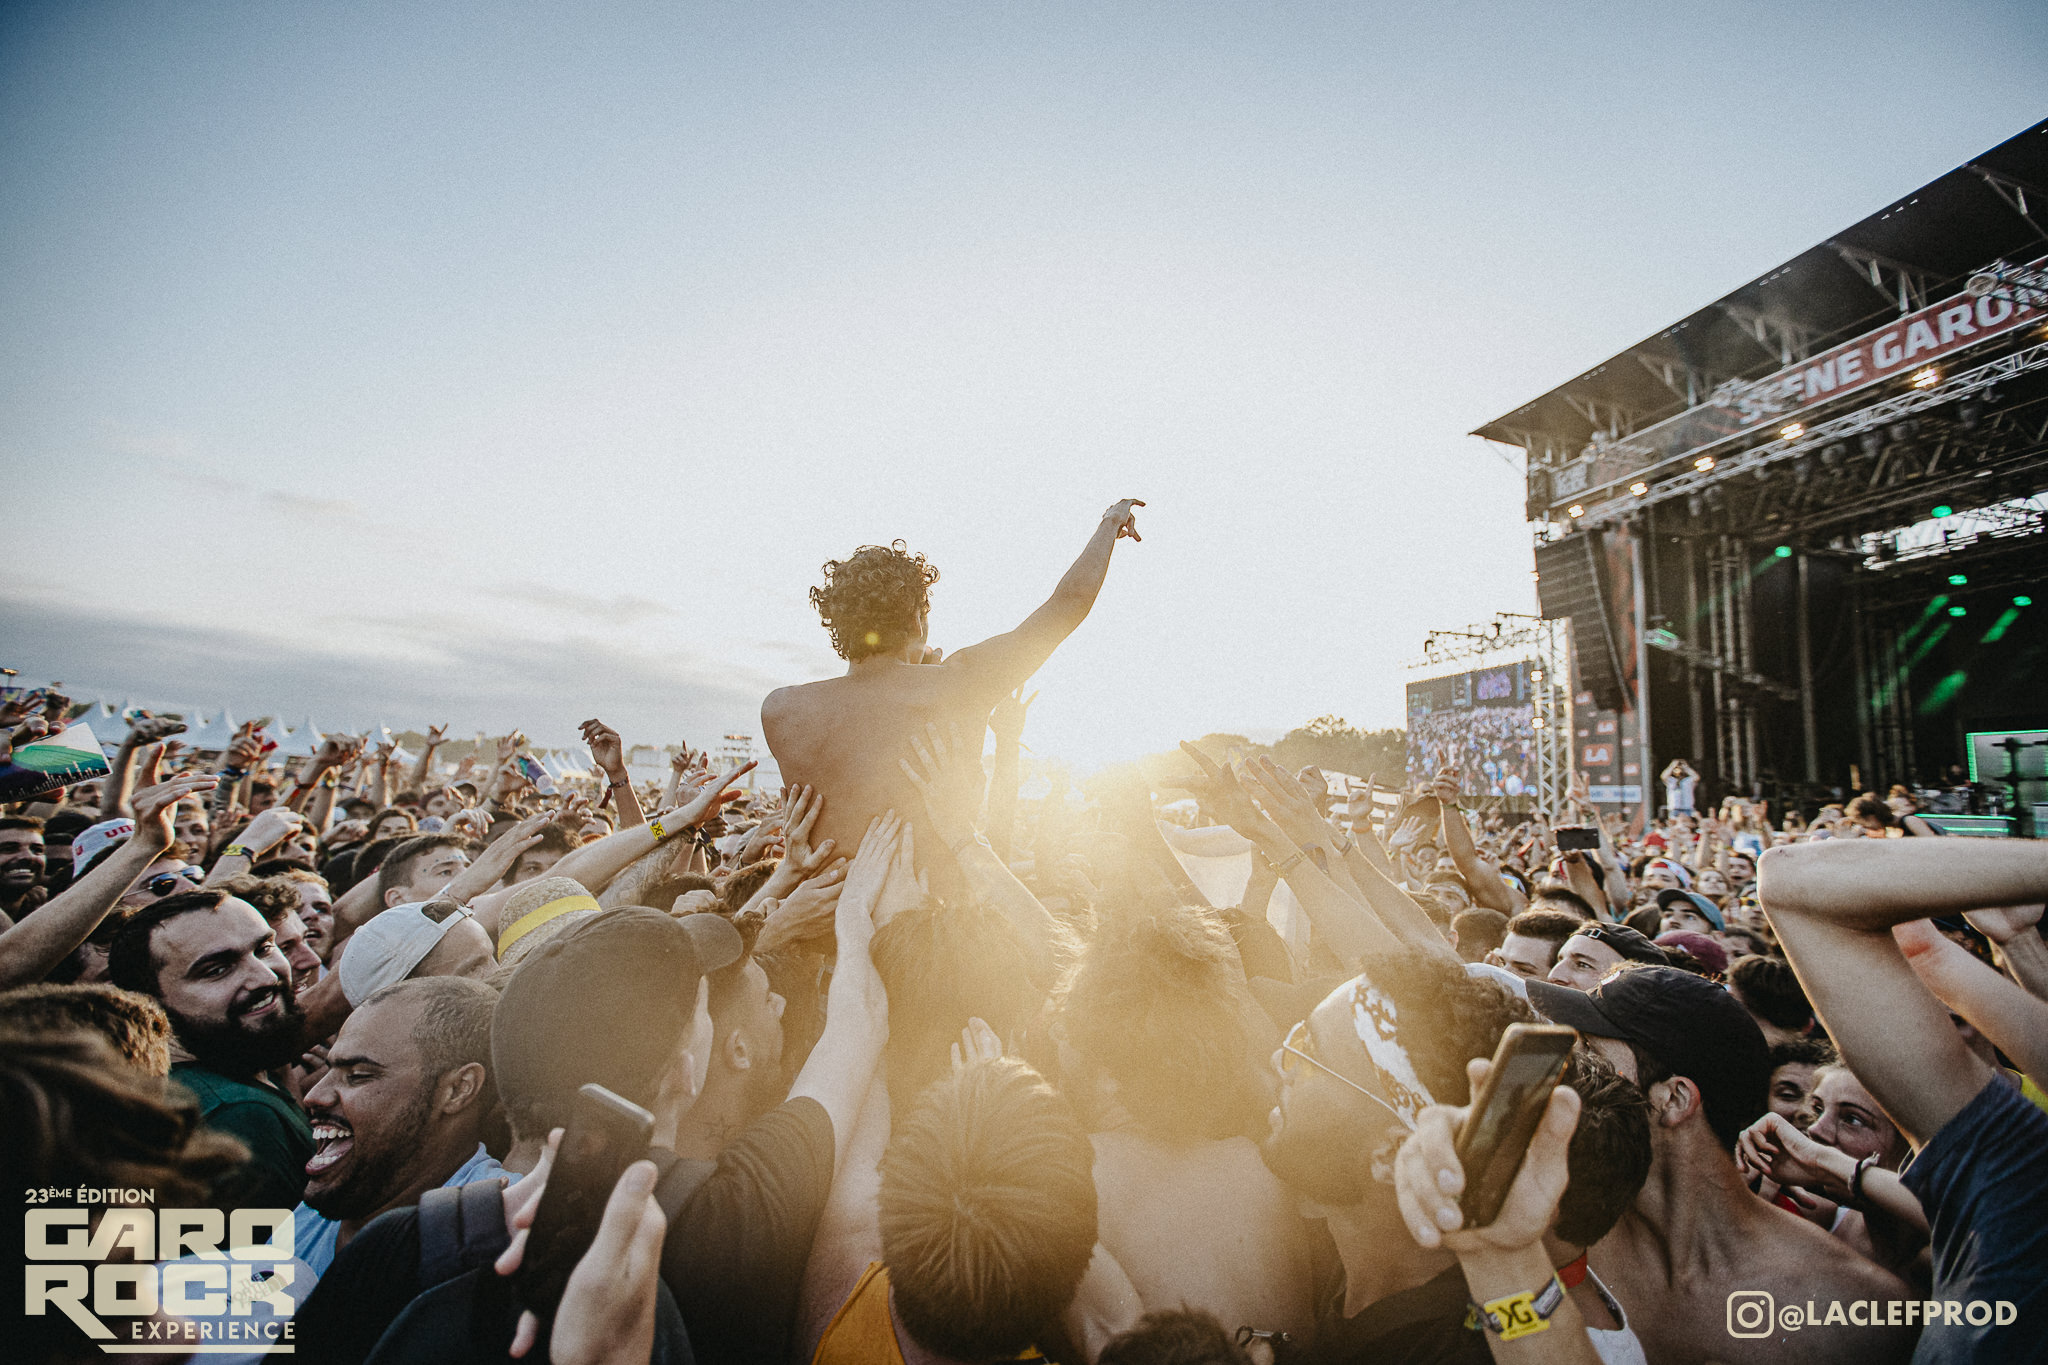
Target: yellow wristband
{"x":238,"y":851}
{"x":655,"y":828}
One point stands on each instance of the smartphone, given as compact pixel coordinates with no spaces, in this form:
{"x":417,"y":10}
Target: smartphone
{"x":606,"y":1134}
{"x":1576,"y":838}
{"x":1505,"y":1112}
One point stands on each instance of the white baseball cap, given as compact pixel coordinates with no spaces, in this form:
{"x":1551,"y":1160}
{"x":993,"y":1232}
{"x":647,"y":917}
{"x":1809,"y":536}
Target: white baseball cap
{"x":386,"y":949}
{"x":90,"y":841}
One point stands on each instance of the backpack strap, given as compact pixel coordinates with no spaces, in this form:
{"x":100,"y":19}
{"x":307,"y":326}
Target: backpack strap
{"x":460,"y":1228}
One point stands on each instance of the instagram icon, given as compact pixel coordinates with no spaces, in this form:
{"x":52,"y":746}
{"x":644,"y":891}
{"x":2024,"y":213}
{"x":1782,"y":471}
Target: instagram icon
{"x":1751,"y":1313}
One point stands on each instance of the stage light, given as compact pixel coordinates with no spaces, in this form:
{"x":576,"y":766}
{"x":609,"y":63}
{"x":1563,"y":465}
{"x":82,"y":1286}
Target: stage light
{"x":2023,"y":601}
{"x":1575,"y":510}
{"x":1927,"y":378}
{"x":1703,"y":463}
{"x":1793,"y":431}
{"x":1958,"y":611}
{"x":1944,"y":510}
{"x":1638,"y":488}
{"x":1783,"y":552}
{"x":1537,"y":676}
{"x":1956,"y":580}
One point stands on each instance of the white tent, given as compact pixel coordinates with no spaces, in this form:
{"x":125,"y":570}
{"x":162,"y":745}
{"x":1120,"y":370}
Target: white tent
{"x":303,"y":742}
{"x":215,"y":735}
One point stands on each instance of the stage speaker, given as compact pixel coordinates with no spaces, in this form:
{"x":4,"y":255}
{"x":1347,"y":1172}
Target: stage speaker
{"x":1570,"y":582}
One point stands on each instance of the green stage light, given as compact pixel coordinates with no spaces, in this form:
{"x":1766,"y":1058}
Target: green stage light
{"x":1956,"y":580}
{"x":2023,"y":601}
{"x":1958,"y":611}
{"x":1944,"y":510}
{"x":1783,"y":552}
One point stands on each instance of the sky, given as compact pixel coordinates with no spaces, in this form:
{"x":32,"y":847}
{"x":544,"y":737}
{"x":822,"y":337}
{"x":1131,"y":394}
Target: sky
{"x":508,"y":365}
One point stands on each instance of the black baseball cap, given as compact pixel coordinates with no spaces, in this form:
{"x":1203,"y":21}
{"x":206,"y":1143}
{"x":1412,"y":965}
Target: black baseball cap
{"x":606,"y":1003}
{"x":1624,"y":940}
{"x":1694,"y":1026}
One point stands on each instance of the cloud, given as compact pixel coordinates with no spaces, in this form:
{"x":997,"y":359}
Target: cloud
{"x":408,"y":670}
{"x":622,"y":610}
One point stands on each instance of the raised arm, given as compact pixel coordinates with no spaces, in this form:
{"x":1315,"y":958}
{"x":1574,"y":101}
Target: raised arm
{"x":1834,"y":904}
{"x":1005,"y":661}
{"x":608,"y":751}
{"x":838,"y":1071}
{"x":1007,"y":721}
{"x":947,"y":774}
{"x":1347,"y":927}
{"x":437,"y":735}
{"x":120,"y":778}
{"x":30,"y":950}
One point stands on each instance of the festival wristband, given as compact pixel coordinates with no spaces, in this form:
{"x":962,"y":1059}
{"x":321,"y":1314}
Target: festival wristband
{"x":1517,"y":1315}
{"x":658,"y":830}
{"x":1283,"y":868}
{"x":238,"y":851}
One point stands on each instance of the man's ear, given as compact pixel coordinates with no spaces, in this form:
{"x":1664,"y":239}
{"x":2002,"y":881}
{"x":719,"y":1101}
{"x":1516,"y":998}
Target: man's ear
{"x":460,"y":1087}
{"x":1674,"y":1100}
{"x":395,"y":896}
{"x":738,"y":1055}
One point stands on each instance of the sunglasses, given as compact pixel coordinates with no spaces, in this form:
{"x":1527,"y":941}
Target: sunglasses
{"x":166,"y":883}
{"x":1300,"y":1043}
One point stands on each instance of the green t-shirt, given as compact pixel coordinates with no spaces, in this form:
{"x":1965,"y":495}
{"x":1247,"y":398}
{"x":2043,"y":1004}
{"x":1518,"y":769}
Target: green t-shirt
{"x":266,"y":1121}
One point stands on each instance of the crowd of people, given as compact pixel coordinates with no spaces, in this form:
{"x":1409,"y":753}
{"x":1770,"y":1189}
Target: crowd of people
{"x":891,"y":1066}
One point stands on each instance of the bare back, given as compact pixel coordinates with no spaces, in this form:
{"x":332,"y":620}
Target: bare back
{"x":844,"y":736}
{"x":1206,"y":1225}
{"x":1681,"y":1313}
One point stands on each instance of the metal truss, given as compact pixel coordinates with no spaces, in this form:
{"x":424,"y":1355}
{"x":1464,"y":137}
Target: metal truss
{"x":1812,"y":438}
{"x":1548,"y":643}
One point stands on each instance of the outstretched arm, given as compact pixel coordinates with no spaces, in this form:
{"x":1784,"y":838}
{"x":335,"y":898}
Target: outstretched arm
{"x":32,"y":948}
{"x":1005,"y":661}
{"x":1834,"y":905}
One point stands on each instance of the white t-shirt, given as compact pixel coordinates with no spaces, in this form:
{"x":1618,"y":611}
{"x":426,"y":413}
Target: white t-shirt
{"x":1678,"y":792}
{"x":1620,"y":1346}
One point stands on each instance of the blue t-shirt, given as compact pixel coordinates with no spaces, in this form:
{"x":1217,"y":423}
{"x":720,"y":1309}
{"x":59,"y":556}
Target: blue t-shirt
{"x":314,"y":1237}
{"x":1983,"y":1182}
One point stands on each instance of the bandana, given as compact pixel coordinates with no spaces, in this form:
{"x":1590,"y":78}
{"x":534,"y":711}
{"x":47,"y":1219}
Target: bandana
{"x":1374,"y":1018}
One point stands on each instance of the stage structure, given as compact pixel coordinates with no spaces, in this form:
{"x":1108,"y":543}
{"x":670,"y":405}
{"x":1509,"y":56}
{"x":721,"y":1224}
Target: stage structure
{"x":1799,"y":534}
{"x":1515,"y":672}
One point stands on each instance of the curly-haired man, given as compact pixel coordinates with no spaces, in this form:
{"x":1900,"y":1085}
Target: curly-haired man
{"x":843,"y":736}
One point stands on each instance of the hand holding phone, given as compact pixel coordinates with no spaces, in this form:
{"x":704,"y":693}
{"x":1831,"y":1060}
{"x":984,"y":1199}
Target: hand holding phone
{"x":1505,"y":1112}
{"x":1490,"y":1175}
{"x":1576,"y":838}
{"x":606,"y":1134}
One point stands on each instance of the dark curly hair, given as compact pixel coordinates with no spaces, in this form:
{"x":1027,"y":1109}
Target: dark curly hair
{"x":871,"y":601}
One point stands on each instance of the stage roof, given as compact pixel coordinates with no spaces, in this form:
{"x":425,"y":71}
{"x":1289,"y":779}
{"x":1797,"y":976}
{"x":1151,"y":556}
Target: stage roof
{"x":1906,"y":255}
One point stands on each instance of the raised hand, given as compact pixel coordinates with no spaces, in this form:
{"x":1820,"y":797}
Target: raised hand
{"x":607,"y":750}
{"x":1007,"y":719}
{"x":156,"y":806}
{"x":1428,"y":1177}
{"x":269,"y":829}
{"x":806,"y":913}
{"x":865,"y":878}
{"x":702,"y":805}
{"x":437,"y":735}
{"x":949,"y":778}
{"x":1126,"y":521}
{"x":150,"y":729}
{"x":508,"y":746}
{"x":905,"y":887}
{"x":1406,"y":835}
{"x":978,"y":1043}
{"x":797,"y":853}
{"x":1217,"y":788}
